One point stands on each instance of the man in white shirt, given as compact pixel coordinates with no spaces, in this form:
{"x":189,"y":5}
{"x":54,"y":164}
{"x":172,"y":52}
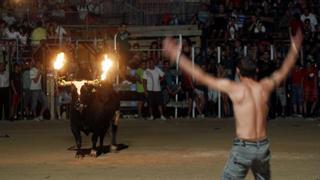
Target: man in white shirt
{"x":151,"y":82}
{"x":4,"y":90}
{"x":37,"y":94}
{"x":308,"y":15}
{"x":60,"y":32}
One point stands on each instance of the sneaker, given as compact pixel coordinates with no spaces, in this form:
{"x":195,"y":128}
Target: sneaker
{"x":201,"y":116}
{"x":151,"y":118}
{"x":113,"y":148}
{"x":38,"y":119}
{"x":163,"y":118}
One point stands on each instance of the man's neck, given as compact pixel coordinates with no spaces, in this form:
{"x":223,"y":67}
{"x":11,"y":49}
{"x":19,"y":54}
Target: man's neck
{"x":246,"y":79}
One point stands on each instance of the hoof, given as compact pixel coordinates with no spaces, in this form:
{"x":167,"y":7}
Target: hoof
{"x":79,"y":154}
{"x":113,"y":148}
{"x":93,"y":153}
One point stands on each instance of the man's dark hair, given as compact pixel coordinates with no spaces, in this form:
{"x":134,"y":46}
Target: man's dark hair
{"x":247,"y":67}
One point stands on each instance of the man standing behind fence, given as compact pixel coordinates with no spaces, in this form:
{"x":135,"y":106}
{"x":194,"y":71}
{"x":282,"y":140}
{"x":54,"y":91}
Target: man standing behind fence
{"x":123,"y":48}
{"x":250,"y":102}
{"x":37,"y":95}
{"x":4,"y":90}
{"x":152,"y":86}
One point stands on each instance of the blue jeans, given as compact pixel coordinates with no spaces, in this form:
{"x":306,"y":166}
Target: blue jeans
{"x":247,"y":155}
{"x":296,"y":94}
{"x":38,"y":96}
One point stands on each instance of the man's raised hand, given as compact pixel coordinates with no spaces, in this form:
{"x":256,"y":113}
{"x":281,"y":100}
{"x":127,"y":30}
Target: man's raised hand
{"x":171,"y":49}
{"x":296,"y":41}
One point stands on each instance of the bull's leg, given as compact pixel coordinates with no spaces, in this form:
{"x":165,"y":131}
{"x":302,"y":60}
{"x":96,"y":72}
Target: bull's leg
{"x":77,"y":136}
{"x":114,"y":130}
{"x":94,"y":140}
{"x":101,"y":138}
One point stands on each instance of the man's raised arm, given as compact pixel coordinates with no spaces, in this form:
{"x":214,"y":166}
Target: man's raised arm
{"x":171,"y":50}
{"x":279,"y":75}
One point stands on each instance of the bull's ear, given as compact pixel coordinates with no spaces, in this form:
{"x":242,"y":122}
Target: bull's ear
{"x":93,"y":90}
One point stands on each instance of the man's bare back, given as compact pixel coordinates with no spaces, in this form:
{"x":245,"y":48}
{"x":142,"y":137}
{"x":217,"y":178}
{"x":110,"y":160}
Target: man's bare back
{"x":250,"y":109}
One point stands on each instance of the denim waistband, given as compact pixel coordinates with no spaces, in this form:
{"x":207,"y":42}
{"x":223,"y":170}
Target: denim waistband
{"x":242,"y":142}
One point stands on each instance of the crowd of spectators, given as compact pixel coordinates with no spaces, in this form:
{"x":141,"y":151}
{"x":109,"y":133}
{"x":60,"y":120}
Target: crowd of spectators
{"x":239,"y":28}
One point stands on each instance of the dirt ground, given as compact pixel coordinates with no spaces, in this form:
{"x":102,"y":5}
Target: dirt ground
{"x":176,"y":149}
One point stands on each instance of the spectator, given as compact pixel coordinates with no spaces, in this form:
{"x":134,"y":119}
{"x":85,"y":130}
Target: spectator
{"x":295,"y":24}
{"x":188,"y":87}
{"x":174,"y":20}
{"x":60,"y":32}
{"x":232,"y":28}
{"x":82,"y":10}
{"x":140,"y":88}
{"x":223,"y":73}
{"x":37,"y":95}
{"x":12,"y":33}
{"x":51,"y":33}
{"x":3,"y":28}
{"x":9,"y":18}
{"x":308,"y":15}
{"x":310,"y":91}
{"x":38,"y":34}
{"x":16,"y":90}
{"x":212,"y":94}
{"x":154,"y":52}
{"x":281,"y":90}
{"x":23,"y":37}
{"x":123,"y":47}
{"x":257,"y":28}
{"x":4,"y":89}
{"x":26,"y":82}
{"x":151,"y":78}
{"x":203,"y":15}
{"x":296,"y":90}
{"x":220,"y":22}
{"x":200,"y":101}
{"x":282,"y":97}
{"x":63,"y":99}
{"x":170,"y":88}
{"x":25,"y":25}
{"x":316,"y":34}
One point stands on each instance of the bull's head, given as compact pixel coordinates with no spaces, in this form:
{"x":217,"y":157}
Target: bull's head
{"x":87,"y":94}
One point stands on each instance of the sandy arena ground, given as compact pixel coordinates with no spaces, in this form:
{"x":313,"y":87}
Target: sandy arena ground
{"x":176,"y":149}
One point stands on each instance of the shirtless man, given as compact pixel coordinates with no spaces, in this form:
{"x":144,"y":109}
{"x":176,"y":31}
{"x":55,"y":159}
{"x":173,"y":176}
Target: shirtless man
{"x":250,"y":103}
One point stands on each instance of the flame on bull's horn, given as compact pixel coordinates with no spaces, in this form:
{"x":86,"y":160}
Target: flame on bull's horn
{"x":106,"y":65}
{"x":59,"y":62}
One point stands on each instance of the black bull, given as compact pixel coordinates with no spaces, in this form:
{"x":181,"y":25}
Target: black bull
{"x":94,"y":112}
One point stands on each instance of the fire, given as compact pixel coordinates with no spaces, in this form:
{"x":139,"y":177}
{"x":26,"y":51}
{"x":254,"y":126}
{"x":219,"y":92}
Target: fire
{"x":59,"y":62}
{"x":106,"y":65}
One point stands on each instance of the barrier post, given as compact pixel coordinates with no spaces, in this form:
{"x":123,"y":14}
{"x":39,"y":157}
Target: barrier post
{"x":177,"y":75}
{"x":219,"y":93}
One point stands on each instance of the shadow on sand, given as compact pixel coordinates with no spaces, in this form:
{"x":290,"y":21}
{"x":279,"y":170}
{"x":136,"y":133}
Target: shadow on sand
{"x":105,"y":149}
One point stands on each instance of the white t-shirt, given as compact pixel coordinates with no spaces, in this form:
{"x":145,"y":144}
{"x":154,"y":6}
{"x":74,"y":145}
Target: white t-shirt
{"x":33,"y":74}
{"x":60,"y":31}
{"x":4,"y":79}
{"x":153,"y":78}
{"x":12,"y":35}
{"x":311,"y":17}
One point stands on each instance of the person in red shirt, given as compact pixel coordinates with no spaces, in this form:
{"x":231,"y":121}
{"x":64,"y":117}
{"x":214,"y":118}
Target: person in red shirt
{"x":188,"y":87}
{"x":296,"y":92}
{"x":310,"y":92}
{"x":295,"y":24}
